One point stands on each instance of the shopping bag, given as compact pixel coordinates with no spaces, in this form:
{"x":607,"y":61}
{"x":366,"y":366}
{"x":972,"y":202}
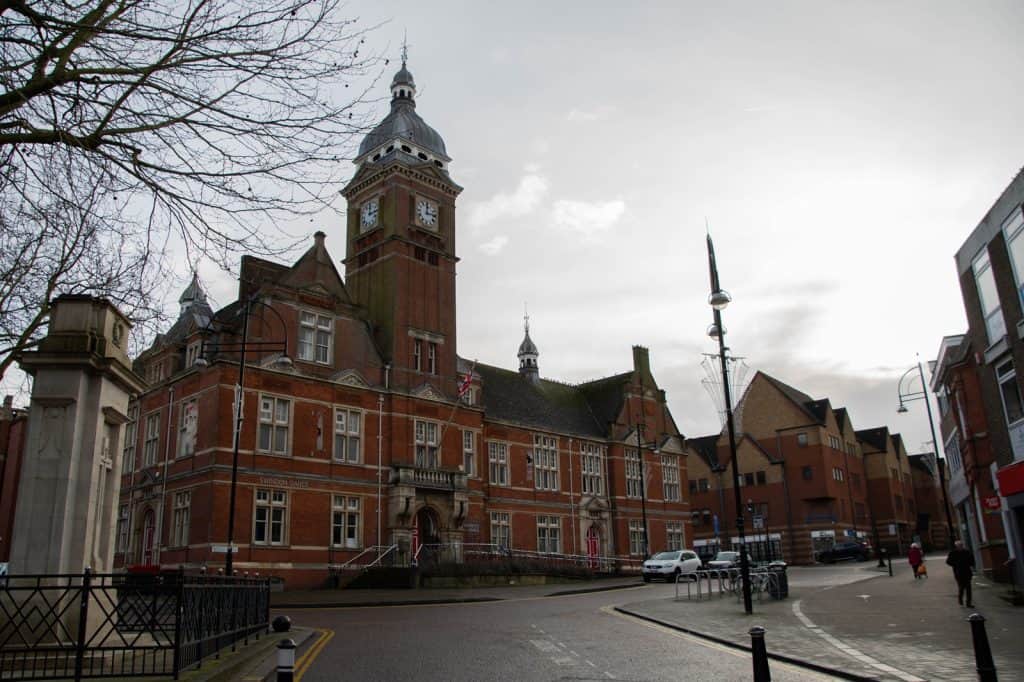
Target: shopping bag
{"x":922,"y":571}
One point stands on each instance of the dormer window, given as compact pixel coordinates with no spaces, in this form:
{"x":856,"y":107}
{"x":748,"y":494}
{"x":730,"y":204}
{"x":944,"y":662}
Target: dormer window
{"x":316,"y":334}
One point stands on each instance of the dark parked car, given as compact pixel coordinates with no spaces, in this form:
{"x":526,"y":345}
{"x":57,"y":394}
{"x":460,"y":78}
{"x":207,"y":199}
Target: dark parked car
{"x":843,"y":550}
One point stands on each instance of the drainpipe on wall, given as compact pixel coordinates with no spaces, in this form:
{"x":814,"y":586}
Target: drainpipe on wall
{"x":380,"y":445}
{"x":158,"y":542}
{"x":785,"y":492}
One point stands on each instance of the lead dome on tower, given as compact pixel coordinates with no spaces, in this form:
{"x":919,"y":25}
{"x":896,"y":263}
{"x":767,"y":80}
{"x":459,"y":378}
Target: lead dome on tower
{"x":403,"y":130}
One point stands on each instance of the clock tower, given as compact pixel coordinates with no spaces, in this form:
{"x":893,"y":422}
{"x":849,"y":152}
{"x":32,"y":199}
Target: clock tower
{"x":400,"y":247}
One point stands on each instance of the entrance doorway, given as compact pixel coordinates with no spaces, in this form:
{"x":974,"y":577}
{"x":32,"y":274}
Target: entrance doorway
{"x":426,"y":536}
{"x":148,"y":535}
{"x":593,"y":546}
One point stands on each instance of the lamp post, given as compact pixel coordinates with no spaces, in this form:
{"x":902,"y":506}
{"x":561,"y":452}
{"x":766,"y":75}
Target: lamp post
{"x":718,"y":300}
{"x":240,"y":347}
{"x":906,"y":396}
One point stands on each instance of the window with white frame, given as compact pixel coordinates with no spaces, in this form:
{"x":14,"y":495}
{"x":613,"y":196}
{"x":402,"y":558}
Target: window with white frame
{"x":549,"y":534}
{"x":270,"y":519}
{"x":181,"y":518}
{"x":670,"y":477}
{"x":122,"y":529}
{"x":469,"y":452}
{"x":149,"y":446}
{"x":345,"y":521}
{"x":1013,"y":230}
{"x":192,"y":353}
{"x":636,"y":537}
{"x":432,"y":358}
{"x":834,"y":443}
{"x":592,"y":468}
{"x":1010,"y":391}
{"x":674,"y":535}
{"x":417,"y":354}
{"x":837,"y":474}
{"x":545,"y":455}
{"x":316,"y":333}
{"x":347,"y":438}
{"x":275,"y":418}
{"x":991,"y":309}
{"x":130,"y":436}
{"x":427,"y":444}
{"x":633,"y":475}
{"x":501,"y":529}
{"x":497,"y":461}
{"x":188,"y":426}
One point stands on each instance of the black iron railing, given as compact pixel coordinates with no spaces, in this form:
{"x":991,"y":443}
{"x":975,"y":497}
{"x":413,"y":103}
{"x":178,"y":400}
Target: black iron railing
{"x":87,"y":625}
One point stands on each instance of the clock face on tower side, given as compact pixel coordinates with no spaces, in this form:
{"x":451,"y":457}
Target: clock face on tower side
{"x":368,"y":215}
{"x":426,"y":213}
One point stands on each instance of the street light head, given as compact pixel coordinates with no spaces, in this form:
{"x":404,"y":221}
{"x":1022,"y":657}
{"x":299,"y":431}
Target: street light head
{"x":714,"y":332}
{"x":201,"y":362}
{"x":284,"y":362}
{"x":902,"y":409}
{"x":719,"y":299}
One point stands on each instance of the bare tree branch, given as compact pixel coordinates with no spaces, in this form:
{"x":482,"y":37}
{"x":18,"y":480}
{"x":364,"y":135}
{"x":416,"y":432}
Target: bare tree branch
{"x":128,"y":125}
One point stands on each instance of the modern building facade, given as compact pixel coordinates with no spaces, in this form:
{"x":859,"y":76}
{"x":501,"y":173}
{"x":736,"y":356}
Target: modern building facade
{"x":802,"y":473}
{"x":981,"y":389}
{"x":363,"y":429}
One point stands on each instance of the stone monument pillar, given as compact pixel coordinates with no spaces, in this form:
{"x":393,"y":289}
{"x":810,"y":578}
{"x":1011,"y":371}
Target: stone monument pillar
{"x":67,"y":497}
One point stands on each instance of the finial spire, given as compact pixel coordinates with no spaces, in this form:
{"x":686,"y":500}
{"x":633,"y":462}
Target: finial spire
{"x":405,"y":47}
{"x":526,"y":319}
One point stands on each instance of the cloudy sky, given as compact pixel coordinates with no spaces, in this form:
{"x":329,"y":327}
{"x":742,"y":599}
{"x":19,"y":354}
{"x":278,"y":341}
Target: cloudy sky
{"x":840,"y":152}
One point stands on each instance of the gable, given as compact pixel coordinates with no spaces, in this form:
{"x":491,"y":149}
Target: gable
{"x":765,"y":407}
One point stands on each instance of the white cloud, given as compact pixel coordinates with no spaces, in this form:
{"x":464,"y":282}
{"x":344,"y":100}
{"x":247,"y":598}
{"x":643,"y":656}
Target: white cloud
{"x":526,"y":197}
{"x":588,"y":218}
{"x":598,"y":114}
{"x":494,"y":246}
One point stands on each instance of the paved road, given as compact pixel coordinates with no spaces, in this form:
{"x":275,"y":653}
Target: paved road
{"x":574,"y":637}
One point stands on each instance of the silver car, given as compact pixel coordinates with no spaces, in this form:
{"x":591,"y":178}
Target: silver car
{"x":668,"y":565}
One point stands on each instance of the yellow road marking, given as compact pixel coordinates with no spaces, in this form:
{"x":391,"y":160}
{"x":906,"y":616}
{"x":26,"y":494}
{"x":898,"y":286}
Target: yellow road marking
{"x":306,"y":659}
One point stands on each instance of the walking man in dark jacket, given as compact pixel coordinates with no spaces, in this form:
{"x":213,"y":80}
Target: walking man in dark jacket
{"x":962,"y":561}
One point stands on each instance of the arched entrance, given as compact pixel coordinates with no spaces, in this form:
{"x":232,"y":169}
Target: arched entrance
{"x":593,"y":546}
{"x":426,"y":535}
{"x":148,"y":536}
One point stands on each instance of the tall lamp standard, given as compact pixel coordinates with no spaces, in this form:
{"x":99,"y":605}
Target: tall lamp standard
{"x":718,"y":300}
{"x":906,"y":396}
{"x":241,"y":347}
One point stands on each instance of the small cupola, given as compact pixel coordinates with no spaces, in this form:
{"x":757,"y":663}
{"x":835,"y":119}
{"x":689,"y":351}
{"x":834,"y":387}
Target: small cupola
{"x":403,"y":87}
{"x":528,"y":354}
{"x":193,"y":295}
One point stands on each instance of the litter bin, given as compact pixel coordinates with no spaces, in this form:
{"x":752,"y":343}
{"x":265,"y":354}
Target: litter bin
{"x":779,"y":588}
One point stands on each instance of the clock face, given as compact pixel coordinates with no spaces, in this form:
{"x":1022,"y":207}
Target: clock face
{"x":426,"y":213}
{"x":368,"y":214}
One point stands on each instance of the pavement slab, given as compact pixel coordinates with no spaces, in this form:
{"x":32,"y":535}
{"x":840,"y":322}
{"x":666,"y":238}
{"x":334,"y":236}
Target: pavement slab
{"x":865,"y":624}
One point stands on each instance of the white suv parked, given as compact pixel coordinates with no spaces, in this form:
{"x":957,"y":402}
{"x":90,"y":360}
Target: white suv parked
{"x":668,"y":565}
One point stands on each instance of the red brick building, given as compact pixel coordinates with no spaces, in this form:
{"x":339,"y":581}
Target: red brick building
{"x":801,"y":471}
{"x":890,"y":489}
{"x":361,"y":424}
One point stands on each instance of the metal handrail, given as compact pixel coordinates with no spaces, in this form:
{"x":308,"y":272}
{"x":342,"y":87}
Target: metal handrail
{"x":494,"y":550}
{"x":351,"y":563}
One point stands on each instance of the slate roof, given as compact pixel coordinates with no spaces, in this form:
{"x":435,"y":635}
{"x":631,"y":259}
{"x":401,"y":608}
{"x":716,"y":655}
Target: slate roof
{"x":815,"y":409}
{"x":877,"y":437}
{"x":707,"y":448}
{"x":583,"y":410}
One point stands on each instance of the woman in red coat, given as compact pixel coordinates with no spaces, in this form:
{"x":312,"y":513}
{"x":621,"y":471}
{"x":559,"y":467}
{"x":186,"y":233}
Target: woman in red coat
{"x":916,"y":558}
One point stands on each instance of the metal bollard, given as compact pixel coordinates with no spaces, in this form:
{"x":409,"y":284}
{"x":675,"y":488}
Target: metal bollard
{"x":285,"y":660}
{"x":890,"y":566}
{"x":757,"y":647}
{"x":982,"y":653}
